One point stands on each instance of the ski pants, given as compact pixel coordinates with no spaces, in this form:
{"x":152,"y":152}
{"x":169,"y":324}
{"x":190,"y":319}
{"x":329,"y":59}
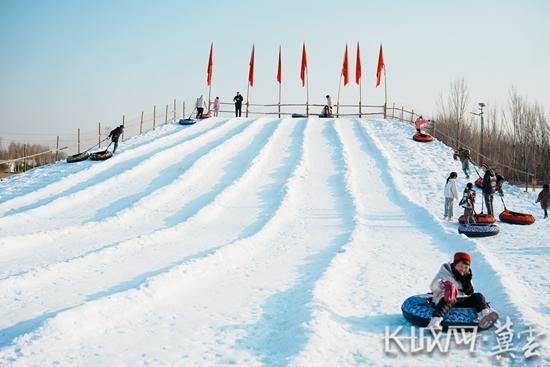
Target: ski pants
{"x":476,"y":300}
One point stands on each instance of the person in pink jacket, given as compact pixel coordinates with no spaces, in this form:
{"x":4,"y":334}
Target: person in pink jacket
{"x":216,"y":106}
{"x":419,"y":123}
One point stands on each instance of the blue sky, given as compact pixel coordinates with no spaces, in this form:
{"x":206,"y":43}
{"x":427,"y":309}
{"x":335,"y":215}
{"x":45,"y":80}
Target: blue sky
{"x":68,"y":64}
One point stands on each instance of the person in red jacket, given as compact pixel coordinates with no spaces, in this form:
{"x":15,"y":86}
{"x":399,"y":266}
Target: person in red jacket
{"x":419,"y":123}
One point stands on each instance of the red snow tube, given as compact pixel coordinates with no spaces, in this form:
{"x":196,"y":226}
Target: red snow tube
{"x":205,"y":115}
{"x":423,"y":138}
{"x":480,"y":218}
{"x":479,"y":182}
{"x":511,"y":217}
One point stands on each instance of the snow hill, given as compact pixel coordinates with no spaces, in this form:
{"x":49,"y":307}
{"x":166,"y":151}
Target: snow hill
{"x":249,"y":242}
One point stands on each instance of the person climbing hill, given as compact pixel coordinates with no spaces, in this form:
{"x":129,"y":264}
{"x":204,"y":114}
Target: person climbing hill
{"x":452,"y":287}
{"x":544,"y":199}
{"x":464,"y":155}
{"x":114,"y":135}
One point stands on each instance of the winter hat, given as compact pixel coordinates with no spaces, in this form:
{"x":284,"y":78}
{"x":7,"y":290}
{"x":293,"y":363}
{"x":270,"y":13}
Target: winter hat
{"x":485,"y":165}
{"x":462,"y":256}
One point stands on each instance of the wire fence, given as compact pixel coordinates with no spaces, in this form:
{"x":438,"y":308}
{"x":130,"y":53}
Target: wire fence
{"x":404,"y":115}
{"x":83,"y":140}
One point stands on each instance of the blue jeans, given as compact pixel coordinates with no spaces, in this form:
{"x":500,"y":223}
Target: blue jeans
{"x":466,"y":167}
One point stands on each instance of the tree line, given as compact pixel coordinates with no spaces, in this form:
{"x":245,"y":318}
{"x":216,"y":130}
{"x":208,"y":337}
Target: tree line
{"x":516,"y":139}
{"x":18,"y":150}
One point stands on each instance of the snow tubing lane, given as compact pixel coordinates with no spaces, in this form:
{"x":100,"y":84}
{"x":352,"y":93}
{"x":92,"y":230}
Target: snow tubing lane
{"x":479,"y":182}
{"x":418,"y":311}
{"x":478,"y":230}
{"x":480,"y":218}
{"x":423,"y":138}
{"x":187,"y":121}
{"x":78,"y":157}
{"x":511,"y":217}
{"x":101,"y":156}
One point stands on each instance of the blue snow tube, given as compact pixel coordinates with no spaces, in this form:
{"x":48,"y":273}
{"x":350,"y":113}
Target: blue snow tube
{"x":478,"y":229}
{"x":418,"y":311}
{"x":298,"y":115}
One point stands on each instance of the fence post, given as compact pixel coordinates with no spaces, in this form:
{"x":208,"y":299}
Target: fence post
{"x":99,"y":135}
{"x":385,"y":110}
{"x":433,"y":124}
{"x":78,"y":140}
{"x":166,"y":116}
{"x":393,"y":111}
{"x":401,"y":113}
{"x":174,"y":110}
{"x":24,"y":159}
{"x":183,"y":110}
{"x":57,"y":148}
{"x":412,"y":115}
{"x":123,"y":120}
{"x":141,"y":124}
{"x":154,"y":116}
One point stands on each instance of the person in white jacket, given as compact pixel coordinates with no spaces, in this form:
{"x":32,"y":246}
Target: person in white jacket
{"x":452,"y":287}
{"x":450,"y":195}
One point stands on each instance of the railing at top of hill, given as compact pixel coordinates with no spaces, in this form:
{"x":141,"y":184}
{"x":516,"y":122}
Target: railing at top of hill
{"x":150,"y":121}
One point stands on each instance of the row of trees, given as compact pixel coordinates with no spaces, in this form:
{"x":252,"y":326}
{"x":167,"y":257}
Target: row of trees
{"x":516,"y":139}
{"x":18,"y":150}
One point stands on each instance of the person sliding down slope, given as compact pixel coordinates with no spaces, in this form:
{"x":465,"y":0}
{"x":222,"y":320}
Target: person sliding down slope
{"x":452,"y":287}
{"x":419,"y":123}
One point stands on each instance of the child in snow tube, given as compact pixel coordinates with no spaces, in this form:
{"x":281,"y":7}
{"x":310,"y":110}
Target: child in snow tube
{"x":468,"y":203}
{"x":452,"y":287}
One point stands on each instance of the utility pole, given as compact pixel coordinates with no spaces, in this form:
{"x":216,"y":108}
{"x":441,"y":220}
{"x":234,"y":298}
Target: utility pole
{"x":480,"y":114}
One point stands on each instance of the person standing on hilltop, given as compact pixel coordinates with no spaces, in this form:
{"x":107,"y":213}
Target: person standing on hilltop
{"x":199,"y":105}
{"x":238,"y":99}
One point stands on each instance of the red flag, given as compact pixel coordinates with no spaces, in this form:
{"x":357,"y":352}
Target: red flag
{"x":209,"y":70}
{"x":279,"y":68}
{"x":304,"y":65}
{"x":358,"y":66}
{"x":381,"y":66}
{"x":251,"y":70}
{"x":345,"y":70}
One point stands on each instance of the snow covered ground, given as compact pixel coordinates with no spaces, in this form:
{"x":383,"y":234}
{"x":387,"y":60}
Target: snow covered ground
{"x":251,"y":242}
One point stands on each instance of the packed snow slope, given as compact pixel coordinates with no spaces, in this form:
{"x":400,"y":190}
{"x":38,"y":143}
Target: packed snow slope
{"x":250,"y":242}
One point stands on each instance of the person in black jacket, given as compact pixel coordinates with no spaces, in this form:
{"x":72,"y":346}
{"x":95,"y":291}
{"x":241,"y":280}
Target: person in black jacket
{"x":114,"y":135}
{"x":492,"y":183}
{"x":238,"y":104}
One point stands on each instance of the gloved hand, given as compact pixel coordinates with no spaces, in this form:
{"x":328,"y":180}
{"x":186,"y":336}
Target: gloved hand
{"x":501,"y":194}
{"x":450,"y":292}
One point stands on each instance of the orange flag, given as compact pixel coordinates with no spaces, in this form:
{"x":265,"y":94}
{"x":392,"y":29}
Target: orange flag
{"x":358,"y":66}
{"x":251,"y":70}
{"x":304,"y":65}
{"x":279,"y":68}
{"x":209,"y":70}
{"x":345,"y":69}
{"x":381,"y":66}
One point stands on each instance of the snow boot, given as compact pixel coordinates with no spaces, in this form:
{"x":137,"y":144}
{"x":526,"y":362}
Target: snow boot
{"x":435,"y":324}
{"x":487,"y":317}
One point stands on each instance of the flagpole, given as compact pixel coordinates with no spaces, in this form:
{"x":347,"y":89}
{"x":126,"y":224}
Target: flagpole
{"x":279,"y":99}
{"x":209,"y":94}
{"x":360,"y":115}
{"x":385,"y":93}
{"x":338,"y":98}
{"x":307,"y":92}
{"x":247,"y":91}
